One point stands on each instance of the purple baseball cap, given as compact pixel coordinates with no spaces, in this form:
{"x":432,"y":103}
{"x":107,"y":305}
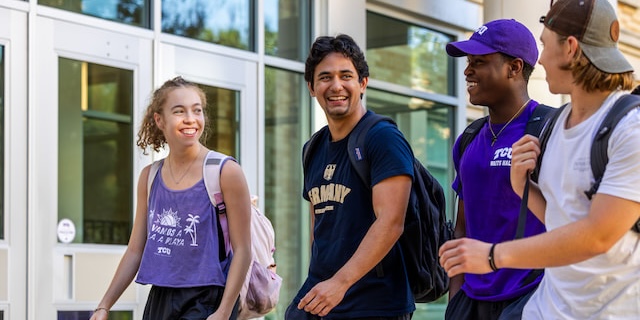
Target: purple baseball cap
{"x":506,"y":36}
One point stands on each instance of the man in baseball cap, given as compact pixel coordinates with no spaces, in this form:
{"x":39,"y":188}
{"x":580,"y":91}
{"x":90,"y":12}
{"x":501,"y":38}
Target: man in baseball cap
{"x":500,"y":59}
{"x":597,"y":274}
{"x":590,"y":251}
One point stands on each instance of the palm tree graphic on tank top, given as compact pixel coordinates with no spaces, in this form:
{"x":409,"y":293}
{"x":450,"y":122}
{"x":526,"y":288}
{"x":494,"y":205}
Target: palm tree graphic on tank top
{"x":191,"y":228}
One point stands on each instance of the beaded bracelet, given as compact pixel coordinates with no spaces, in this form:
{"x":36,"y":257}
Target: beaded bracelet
{"x":101,"y":308}
{"x":492,"y":260}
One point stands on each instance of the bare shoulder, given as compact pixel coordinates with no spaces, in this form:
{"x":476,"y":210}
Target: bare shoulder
{"x":231,"y":168}
{"x":232,"y":176}
{"x":144,"y":173}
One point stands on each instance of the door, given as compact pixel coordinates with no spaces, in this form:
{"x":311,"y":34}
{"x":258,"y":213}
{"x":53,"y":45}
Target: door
{"x":87,"y":90}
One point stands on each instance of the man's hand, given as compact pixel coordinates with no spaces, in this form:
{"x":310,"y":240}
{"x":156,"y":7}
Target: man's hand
{"x":524,"y":158}
{"x":323,"y":297}
{"x":465,"y":256}
{"x":217,"y":315}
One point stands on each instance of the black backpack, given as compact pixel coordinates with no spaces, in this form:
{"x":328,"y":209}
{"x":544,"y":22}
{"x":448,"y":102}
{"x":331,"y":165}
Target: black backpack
{"x":426,"y":227}
{"x":599,"y":156}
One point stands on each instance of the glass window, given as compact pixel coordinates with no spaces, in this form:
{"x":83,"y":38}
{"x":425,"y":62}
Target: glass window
{"x":225,"y":22}
{"x":83,"y":315}
{"x":408,"y":55}
{"x":426,"y":124}
{"x":287,"y":127}
{"x":222,"y":112}
{"x":133,"y":12}
{"x":1,"y":143}
{"x":95,"y":151}
{"x":287,"y":28}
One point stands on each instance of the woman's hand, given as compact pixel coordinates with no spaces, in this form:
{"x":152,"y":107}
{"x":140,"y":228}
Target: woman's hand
{"x":100,"y":314}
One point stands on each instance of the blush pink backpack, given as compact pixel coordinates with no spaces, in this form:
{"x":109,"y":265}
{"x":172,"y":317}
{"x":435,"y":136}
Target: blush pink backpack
{"x":261,"y":289}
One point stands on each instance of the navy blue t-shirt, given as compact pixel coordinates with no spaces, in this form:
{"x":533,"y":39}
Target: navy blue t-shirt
{"x":343,"y":215}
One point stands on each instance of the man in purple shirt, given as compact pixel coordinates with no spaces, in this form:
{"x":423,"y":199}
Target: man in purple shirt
{"x":500,"y":58}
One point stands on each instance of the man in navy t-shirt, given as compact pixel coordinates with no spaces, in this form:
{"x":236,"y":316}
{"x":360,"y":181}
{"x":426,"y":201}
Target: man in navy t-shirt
{"x":355,"y":227}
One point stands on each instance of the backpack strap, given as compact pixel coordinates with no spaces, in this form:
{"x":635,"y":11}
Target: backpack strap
{"x":310,"y":147}
{"x":355,"y":145}
{"x":358,"y":158}
{"x":153,"y":171}
{"x":544,"y":138}
{"x":469,"y":133}
{"x":534,"y":127}
{"x":537,"y":120}
{"x":599,"y":156}
{"x":211,"y":169}
{"x":539,"y":117}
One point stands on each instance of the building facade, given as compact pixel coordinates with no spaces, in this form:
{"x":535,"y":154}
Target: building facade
{"x":76,"y":77}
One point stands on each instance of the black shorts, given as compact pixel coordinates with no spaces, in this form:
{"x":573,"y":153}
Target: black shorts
{"x":184,"y":303}
{"x":293,"y":313}
{"x":461,"y":307}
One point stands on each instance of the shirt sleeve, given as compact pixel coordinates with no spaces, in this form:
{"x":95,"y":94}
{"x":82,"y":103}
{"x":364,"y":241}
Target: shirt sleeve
{"x":389,"y":152}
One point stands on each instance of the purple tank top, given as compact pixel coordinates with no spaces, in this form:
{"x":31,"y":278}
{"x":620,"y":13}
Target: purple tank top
{"x":182,"y":238}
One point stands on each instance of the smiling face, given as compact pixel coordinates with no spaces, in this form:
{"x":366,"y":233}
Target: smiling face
{"x":487,"y":78}
{"x":182,"y":119}
{"x":336,"y":86}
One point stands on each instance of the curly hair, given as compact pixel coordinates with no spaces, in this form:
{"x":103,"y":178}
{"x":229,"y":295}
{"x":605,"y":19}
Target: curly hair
{"x":341,"y":44}
{"x":150,"y":135}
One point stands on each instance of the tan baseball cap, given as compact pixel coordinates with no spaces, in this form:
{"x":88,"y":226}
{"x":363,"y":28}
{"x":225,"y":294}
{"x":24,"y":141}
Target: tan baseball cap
{"x":595,"y":25}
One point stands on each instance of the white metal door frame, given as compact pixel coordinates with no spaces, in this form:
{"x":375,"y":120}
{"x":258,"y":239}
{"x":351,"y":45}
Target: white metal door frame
{"x":13,"y":248}
{"x":53,"y":271}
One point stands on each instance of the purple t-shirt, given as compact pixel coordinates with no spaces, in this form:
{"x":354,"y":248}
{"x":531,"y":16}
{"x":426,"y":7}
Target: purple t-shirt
{"x":182,"y":238}
{"x":491,"y":207}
